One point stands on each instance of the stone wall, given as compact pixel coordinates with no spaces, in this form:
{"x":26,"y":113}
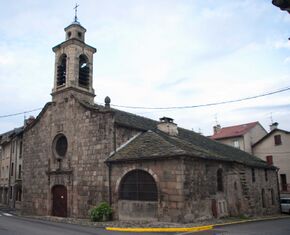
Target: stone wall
{"x":168,"y":175}
{"x":82,"y":170}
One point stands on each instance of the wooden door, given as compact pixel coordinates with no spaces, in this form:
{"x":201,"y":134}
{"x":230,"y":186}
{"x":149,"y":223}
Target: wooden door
{"x":59,"y":201}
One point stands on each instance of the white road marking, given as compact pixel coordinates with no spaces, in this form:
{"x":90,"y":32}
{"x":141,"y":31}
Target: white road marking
{"x":7,"y":214}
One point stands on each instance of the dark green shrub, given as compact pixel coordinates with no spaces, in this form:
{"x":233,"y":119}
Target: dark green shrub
{"x":102,"y":212}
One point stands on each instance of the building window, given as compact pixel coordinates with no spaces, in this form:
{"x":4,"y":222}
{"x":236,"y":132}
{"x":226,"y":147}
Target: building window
{"x":19,"y":172}
{"x":253,"y":175}
{"x":220,"y":186}
{"x":61,"y":70}
{"x":60,"y":146}
{"x":20,"y":149}
{"x":236,"y":144}
{"x":10,"y":192}
{"x":269,"y":160}
{"x":266,"y":174}
{"x":138,"y":185}
{"x":12,"y":169}
{"x":263,"y":198}
{"x":277,"y":139}
{"x":19,"y":194}
{"x":272,"y":196}
{"x":84,"y":71}
{"x":283,"y":180}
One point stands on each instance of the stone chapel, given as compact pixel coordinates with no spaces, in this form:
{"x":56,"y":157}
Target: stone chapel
{"x":77,"y":154}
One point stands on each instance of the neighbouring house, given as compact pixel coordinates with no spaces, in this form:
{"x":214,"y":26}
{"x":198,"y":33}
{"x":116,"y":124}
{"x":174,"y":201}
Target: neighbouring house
{"x":77,"y":154}
{"x":275,"y":149}
{"x":239,"y":136}
{"x":11,"y":168}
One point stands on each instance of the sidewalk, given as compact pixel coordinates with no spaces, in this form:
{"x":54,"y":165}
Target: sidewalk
{"x":141,"y":226}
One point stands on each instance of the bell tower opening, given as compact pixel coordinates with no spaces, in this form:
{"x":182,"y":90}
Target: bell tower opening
{"x":74,"y":65}
{"x":84,"y":71}
{"x":61,"y":70}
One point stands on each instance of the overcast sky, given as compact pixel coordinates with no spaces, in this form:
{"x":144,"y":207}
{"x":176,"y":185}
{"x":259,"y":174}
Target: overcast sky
{"x":154,"y":53}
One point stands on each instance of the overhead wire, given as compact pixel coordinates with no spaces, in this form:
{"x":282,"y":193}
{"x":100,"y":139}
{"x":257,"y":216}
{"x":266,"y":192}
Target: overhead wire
{"x":174,"y":107}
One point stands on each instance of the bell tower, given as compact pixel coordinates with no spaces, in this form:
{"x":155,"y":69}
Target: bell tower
{"x":73,"y":72}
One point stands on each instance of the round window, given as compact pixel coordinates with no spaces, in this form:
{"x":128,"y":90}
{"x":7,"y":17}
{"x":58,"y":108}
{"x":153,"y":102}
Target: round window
{"x":60,"y":145}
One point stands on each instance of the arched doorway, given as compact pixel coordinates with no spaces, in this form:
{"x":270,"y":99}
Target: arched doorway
{"x":59,"y":201}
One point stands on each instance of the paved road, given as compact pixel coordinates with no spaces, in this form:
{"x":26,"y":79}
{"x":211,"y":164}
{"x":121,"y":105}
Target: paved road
{"x":269,"y":227}
{"x":14,"y":225}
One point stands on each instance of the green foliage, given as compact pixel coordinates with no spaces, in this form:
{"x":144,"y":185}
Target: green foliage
{"x":102,"y":212}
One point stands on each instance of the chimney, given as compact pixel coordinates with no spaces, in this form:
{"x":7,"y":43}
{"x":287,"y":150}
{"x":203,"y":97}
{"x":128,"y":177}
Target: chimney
{"x":28,"y":121}
{"x":216,"y":129}
{"x":167,"y":125}
{"x":274,"y":126}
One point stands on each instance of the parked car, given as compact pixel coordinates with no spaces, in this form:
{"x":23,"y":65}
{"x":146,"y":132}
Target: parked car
{"x":285,"y":205}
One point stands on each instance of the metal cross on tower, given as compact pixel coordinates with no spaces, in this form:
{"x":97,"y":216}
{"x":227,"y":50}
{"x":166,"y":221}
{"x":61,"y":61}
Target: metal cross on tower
{"x":76,"y":12}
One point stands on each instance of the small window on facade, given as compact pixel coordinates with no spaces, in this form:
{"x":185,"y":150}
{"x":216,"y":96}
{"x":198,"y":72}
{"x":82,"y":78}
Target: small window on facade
{"x":236,"y":144}
{"x":277,"y":139}
{"x":138,"y":185}
{"x":269,"y":160}
{"x":19,"y":172}
{"x":283,"y":181}
{"x":60,"y":146}
{"x":272,"y":196}
{"x":79,"y":34}
{"x":20,"y":149}
{"x":68,"y":34}
{"x":12,"y":169}
{"x":19,"y":194}
{"x":266,"y":174}
{"x":263,"y":198}
{"x":220,"y":186}
{"x":84,"y":71}
{"x":253,"y":175}
{"x":61,"y":70}
{"x":235,"y":185}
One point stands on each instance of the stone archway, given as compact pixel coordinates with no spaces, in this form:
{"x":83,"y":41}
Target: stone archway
{"x":138,"y":196}
{"x":59,"y":201}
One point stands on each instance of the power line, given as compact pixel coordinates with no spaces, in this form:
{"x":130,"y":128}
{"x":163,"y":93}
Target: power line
{"x":16,"y":114}
{"x":208,"y":104}
{"x":177,"y":107}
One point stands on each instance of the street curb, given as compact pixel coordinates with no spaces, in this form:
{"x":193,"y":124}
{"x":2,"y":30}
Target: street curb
{"x":250,"y":220}
{"x":191,"y":229}
{"x":140,"y":230}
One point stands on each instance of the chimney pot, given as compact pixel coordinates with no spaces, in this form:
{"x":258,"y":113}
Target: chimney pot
{"x":167,"y":125}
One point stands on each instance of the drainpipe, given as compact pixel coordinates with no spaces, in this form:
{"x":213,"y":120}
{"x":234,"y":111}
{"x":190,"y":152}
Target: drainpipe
{"x":109,"y":190}
{"x":9,"y":174}
{"x":278,"y":188}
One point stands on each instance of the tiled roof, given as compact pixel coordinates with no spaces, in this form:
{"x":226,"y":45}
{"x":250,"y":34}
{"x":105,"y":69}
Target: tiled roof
{"x":233,"y":131}
{"x":153,"y":144}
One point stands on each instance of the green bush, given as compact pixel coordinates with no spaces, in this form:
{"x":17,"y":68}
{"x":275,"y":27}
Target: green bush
{"x":102,"y":212}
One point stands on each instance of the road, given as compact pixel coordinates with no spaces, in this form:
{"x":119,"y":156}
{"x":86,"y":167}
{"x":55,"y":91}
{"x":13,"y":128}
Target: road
{"x":268,"y":227}
{"x":16,"y":225}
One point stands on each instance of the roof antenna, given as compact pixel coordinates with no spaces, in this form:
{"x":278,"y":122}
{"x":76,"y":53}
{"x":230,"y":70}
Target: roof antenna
{"x":271,"y":118}
{"x":76,"y":12}
{"x":216,"y":119}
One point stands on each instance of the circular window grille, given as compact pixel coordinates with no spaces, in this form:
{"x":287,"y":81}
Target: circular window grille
{"x":60,"y":146}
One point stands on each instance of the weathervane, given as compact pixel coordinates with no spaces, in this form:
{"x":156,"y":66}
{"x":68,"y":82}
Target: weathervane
{"x":76,"y":12}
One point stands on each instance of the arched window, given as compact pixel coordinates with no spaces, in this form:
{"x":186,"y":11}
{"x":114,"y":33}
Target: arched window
{"x":61,"y":70}
{"x":84,"y":71}
{"x":138,"y":185}
{"x":220,"y":185}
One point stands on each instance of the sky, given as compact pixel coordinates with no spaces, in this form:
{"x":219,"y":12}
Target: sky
{"x":154,"y":53}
